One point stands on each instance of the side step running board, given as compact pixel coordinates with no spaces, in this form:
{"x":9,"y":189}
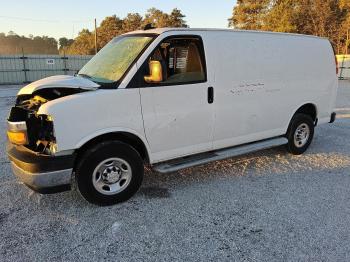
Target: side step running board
{"x":190,"y":161}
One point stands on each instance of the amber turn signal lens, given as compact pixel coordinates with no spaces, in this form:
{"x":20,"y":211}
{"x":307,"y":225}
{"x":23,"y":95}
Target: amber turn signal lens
{"x":18,"y":138}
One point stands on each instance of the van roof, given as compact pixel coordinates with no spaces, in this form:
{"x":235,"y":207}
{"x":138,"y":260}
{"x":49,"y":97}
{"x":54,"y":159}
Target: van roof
{"x":159,"y":31}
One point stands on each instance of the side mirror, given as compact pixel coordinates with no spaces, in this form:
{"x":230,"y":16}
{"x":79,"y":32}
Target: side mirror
{"x":156,"y":72}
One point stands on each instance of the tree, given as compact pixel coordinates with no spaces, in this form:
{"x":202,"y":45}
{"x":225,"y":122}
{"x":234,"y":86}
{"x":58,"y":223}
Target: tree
{"x":113,"y":26}
{"x":280,"y":17}
{"x":156,"y":17}
{"x":83,"y":44}
{"x":64,"y":44}
{"x":318,"y":17}
{"x":63,"y":41}
{"x":14,"y":44}
{"x":132,"y":22}
{"x":110,"y":27}
{"x":344,"y":30}
{"x":160,"y":19}
{"x":176,"y":19}
{"x":326,"y":18}
{"x":249,"y":14}
{"x":344,"y":4}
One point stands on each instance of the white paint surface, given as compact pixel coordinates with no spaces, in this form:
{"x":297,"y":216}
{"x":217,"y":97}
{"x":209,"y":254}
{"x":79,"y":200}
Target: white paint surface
{"x":259,"y":80}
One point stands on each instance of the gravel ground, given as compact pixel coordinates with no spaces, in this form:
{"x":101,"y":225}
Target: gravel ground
{"x":267,"y":206}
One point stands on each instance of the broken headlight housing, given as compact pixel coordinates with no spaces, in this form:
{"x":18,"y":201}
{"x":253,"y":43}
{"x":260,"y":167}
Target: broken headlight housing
{"x":37,"y":132}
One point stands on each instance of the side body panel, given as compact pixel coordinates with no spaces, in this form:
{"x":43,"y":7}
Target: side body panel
{"x":262,"y":79}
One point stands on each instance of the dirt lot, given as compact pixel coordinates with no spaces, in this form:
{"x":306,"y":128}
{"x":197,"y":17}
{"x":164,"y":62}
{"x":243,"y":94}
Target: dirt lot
{"x":268,"y":206}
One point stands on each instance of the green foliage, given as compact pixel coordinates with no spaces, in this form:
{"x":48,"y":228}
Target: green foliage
{"x":176,"y":19}
{"x":326,"y":18}
{"x":160,"y":19}
{"x":109,"y":27}
{"x":113,"y":26}
{"x":156,"y":17}
{"x":280,"y":17}
{"x":132,"y":22}
{"x":13,"y":44}
{"x":249,"y":14}
{"x":84,"y":43}
{"x":64,"y":43}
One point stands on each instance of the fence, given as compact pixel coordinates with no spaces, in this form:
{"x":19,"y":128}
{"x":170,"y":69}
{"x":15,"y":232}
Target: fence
{"x":19,"y":69}
{"x":344,"y":66}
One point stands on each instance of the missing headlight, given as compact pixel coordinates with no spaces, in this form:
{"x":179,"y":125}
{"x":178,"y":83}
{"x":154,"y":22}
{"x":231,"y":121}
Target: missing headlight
{"x":40,"y":136}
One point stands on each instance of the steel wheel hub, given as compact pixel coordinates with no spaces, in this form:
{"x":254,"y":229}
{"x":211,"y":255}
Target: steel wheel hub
{"x":111,"y":176}
{"x":301,"y":135}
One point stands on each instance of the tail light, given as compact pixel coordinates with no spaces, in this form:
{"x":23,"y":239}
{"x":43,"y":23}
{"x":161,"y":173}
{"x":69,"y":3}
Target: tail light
{"x":336,"y":60}
{"x":336,"y":64}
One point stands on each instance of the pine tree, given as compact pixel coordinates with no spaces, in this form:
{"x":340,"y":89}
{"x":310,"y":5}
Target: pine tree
{"x":325,"y":18}
{"x":176,"y":19}
{"x":249,"y":14}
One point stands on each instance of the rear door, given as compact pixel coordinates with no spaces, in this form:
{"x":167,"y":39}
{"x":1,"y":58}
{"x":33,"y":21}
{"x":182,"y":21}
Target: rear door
{"x":178,"y":118}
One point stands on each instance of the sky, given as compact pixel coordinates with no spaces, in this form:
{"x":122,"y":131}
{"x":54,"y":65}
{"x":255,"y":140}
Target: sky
{"x":65,"y":18}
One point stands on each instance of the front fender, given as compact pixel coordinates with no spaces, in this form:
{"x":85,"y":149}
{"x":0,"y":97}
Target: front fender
{"x":81,"y":117}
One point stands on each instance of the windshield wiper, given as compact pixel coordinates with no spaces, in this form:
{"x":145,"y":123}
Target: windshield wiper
{"x":84,"y":75}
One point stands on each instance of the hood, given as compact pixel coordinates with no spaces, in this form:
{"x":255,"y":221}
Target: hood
{"x":60,"y":81}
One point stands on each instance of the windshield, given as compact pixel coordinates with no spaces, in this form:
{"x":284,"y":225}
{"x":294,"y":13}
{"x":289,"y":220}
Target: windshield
{"x":110,"y":64}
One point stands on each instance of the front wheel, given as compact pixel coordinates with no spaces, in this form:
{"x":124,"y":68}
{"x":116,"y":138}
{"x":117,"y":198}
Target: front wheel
{"x":300,"y":134}
{"x":109,"y":173}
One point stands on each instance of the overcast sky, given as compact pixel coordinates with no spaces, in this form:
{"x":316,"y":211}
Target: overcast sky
{"x":68,"y":17}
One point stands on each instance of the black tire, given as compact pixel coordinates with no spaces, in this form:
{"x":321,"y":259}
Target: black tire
{"x":93,"y":158}
{"x":295,"y":146}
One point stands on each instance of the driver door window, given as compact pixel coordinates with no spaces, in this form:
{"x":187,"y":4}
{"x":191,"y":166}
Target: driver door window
{"x":181,"y":61}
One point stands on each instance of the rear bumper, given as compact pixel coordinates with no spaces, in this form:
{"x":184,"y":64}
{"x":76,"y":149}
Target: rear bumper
{"x":333,"y":117}
{"x":42,"y":173}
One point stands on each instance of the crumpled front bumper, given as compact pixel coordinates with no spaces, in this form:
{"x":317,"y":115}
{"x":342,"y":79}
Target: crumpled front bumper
{"x":42,"y":173}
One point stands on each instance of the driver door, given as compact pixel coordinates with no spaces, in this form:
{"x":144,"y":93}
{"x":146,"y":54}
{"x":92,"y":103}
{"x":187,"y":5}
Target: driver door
{"x":178,"y":117}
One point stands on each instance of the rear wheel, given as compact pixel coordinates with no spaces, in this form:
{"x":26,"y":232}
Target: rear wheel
{"x":300,"y":134}
{"x":109,"y":173}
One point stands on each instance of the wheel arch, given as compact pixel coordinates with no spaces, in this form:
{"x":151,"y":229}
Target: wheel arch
{"x":309,"y":109}
{"x":123,"y":136}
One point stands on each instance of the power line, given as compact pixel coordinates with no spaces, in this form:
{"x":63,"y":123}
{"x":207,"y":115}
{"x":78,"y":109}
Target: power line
{"x":43,"y":20}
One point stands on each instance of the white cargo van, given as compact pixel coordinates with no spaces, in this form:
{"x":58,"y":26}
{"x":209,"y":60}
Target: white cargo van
{"x":170,"y":98}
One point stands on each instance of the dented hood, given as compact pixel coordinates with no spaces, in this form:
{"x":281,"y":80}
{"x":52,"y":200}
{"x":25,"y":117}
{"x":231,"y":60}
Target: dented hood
{"x":59,"y":81}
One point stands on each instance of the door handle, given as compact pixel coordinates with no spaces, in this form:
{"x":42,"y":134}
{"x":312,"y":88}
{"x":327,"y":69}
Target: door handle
{"x":210,"y":95}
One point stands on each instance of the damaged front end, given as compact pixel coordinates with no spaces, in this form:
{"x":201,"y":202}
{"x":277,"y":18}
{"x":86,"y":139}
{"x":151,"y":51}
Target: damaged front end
{"x":32,"y":148}
{"x":28,"y":128}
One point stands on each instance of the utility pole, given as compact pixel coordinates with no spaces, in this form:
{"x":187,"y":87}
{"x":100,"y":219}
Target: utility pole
{"x":347,"y":42}
{"x":95,"y":37}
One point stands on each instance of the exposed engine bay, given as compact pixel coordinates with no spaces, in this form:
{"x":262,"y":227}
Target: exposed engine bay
{"x":40,"y":128}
